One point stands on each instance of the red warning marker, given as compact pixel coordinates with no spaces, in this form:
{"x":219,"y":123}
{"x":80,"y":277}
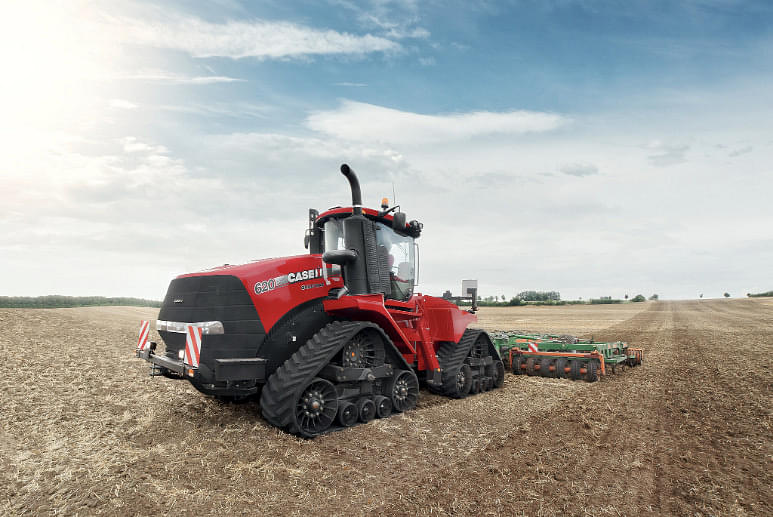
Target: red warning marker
{"x":142,"y":341}
{"x":192,"y":345}
{"x":533,"y":347}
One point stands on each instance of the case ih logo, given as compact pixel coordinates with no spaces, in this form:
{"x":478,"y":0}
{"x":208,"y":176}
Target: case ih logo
{"x":308,"y":274}
{"x":292,"y":278}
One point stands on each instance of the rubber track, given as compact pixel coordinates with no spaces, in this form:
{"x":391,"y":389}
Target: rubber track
{"x":451,"y":355}
{"x":277,"y":401}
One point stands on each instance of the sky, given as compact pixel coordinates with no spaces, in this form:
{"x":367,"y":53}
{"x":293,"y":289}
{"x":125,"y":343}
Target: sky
{"x":596,"y":148}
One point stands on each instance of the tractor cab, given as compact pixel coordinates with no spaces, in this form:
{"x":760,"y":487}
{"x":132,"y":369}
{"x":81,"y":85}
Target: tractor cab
{"x":376,"y":249}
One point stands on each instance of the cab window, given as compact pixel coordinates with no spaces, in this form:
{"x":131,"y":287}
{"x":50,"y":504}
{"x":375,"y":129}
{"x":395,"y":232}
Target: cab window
{"x":334,"y":234}
{"x":400,"y":255}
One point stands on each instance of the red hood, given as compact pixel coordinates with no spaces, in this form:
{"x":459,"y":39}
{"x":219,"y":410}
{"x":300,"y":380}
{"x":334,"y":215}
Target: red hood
{"x":277,"y":285}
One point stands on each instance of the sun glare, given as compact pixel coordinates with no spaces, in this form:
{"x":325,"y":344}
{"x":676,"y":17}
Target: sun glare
{"x":51,"y":56}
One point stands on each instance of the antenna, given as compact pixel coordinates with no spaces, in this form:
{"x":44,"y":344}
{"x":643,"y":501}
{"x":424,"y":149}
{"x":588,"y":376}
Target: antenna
{"x":394,"y":195}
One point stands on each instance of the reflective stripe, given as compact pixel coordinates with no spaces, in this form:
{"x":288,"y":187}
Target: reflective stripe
{"x":142,"y":341}
{"x":533,"y":347}
{"x":192,"y":345}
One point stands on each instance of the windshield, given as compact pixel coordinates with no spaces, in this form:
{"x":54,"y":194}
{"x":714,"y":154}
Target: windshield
{"x":400,"y":255}
{"x":400,"y":251}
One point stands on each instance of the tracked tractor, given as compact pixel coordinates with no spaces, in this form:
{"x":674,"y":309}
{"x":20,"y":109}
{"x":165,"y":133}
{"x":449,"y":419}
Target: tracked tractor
{"x":327,"y":339}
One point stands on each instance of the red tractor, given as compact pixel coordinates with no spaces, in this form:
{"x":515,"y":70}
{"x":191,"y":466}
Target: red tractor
{"x":330,"y":338}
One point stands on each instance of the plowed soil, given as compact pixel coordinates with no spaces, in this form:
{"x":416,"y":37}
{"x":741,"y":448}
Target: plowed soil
{"x":85,"y":431}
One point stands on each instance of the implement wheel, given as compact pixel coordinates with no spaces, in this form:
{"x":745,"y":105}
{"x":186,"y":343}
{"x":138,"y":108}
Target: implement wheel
{"x":592,"y":374}
{"x":516,"y":366}
{"x":499,"y":374}
{"x":530,"y":362}
{"x":561,"y":364}
{"x":574,"y":371}
{"x":544,"y":367}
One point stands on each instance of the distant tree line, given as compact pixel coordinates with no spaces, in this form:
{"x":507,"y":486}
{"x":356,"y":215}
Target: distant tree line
{"x":759,"y":295}
{"x":58,"y":301}
{"x":539,"y":296}
{"x":542,"y":298}
{"x":605,"y":299}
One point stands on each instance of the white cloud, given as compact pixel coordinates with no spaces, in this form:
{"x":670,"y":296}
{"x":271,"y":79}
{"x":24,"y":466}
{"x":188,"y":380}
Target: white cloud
{"x":666,"y":153}
{"x":397,"y":19}
{"x":133,"y":145}
{"x":166,"y":77}
{"x":366,"y":122}
{"x":122,"y":104}
{"x":579,"y":169}
{"x":258,"y":38}
{"x":740,"y":151}
{"x":220,"y":109}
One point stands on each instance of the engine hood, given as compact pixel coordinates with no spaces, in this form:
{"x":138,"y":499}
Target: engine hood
{"x":277,"y":285}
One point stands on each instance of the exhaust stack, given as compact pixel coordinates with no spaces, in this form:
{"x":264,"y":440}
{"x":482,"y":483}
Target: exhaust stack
{"x":354,"y":183}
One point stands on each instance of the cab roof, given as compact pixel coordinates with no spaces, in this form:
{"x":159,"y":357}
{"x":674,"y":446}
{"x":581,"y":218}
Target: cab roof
{"x":339,"y":212}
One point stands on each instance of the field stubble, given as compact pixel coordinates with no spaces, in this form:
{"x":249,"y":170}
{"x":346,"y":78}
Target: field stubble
{"x":85,"y":431}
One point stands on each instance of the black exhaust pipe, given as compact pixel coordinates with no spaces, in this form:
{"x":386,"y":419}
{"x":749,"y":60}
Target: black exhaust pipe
{"x":354,"y":183}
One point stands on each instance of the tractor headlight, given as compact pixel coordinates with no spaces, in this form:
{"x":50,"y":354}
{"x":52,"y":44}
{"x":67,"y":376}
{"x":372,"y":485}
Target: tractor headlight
{"x":207,"y":327}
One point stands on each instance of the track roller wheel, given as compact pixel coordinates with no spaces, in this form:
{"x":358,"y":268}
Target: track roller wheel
{"x":574,"y":372}
{"x":485,"y":384}
{"x":347,"y":413}
{"x":560,"y":365}
{"x":457,"y":384}
{"x":317,"y":407}
{"x":383,"y":406}
{"x":592,"y":373}
{"x":530,"y":362}
{"x":499,"y":374}
{"x":403,"y":389}
{"x":475,"y":387}
{"x":366,"y":410}
{"x":544,"y":367}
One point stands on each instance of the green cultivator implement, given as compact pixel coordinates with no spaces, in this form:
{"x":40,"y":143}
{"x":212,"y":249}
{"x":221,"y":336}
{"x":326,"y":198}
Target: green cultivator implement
{"x":550,"y":355}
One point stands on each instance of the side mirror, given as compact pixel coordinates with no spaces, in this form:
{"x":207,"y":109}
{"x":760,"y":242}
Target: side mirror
{"x":398,"y":223}
{"x":340,"y":257}
{"x":306,"y":240}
